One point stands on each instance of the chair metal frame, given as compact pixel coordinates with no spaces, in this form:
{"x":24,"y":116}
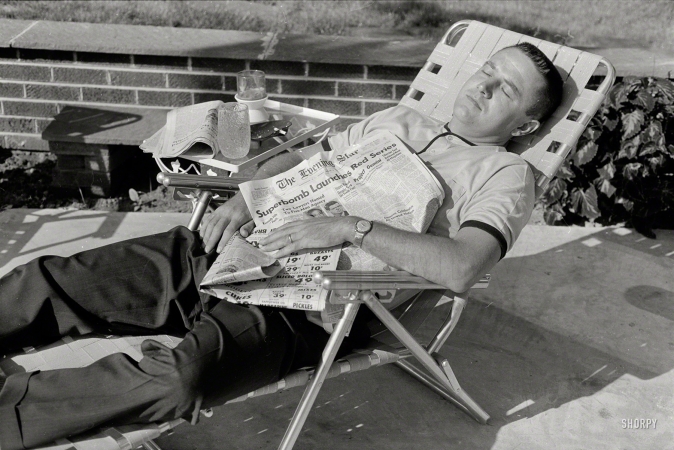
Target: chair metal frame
{"x":461,"y":52}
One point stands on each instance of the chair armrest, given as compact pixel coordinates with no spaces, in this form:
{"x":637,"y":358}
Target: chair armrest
{"x":180,"y":180}
{"x":384,"y":279}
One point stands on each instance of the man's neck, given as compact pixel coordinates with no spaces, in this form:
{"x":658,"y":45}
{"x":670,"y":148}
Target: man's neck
{"x":456,"y":128}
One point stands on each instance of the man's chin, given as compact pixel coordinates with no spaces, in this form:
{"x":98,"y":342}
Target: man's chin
{"x":464,"y":114}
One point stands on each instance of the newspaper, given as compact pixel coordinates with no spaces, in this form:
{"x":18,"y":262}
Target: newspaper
{"x":378,"y":179}
{"x":191,"y":128}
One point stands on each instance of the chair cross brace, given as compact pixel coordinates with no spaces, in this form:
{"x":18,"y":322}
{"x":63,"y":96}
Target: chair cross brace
{"x":441,"y":379}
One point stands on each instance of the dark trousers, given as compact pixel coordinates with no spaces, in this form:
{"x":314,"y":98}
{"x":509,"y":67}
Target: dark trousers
{"x":140,"y":286}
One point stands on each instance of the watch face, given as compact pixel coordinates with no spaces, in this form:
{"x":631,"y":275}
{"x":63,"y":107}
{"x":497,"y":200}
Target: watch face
{"x":363,"y":226}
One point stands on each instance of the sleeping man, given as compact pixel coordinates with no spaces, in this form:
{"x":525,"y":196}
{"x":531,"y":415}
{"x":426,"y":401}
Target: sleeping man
{"x":150,"y":284}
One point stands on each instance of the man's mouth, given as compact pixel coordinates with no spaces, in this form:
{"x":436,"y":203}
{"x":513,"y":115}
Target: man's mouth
{"x":474,"y":102}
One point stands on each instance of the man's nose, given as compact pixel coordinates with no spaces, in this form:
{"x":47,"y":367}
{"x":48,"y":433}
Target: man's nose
{"x":485,"y":89}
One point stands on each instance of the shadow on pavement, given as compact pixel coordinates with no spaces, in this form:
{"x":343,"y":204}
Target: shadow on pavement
{"x":557,"y":333}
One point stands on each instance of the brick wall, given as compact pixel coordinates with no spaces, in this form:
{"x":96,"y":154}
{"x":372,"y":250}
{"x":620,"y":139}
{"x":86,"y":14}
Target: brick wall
{"x":35,"y":84}
{"x":46,"y":65}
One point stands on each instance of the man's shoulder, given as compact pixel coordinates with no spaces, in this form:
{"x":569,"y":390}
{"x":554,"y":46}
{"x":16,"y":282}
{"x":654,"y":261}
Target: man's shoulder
{"x":501,"y":167}
{"x":400,"y":113}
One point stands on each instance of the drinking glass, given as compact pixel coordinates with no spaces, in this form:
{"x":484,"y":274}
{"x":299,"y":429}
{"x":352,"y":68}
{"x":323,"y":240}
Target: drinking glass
{"x":233,"y":130}
{"x":250,"y":85}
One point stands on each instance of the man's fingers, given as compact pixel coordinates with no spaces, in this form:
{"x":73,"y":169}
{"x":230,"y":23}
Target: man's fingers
{"x":247,"y":228}
{"x":213,"y":233}
{"x":226,"y":235}
{"x":276,"y":241}
{"x":204,"y":223}
{"x":282,"y":232}
{"x":208,"y":229}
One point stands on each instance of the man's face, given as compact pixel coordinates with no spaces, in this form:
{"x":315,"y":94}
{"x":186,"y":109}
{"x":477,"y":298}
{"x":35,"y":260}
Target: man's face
{"x":336,"y":209}
{"x":493,"y":102}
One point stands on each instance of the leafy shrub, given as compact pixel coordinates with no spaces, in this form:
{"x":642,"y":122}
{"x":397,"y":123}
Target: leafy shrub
{"x":622,"y":169}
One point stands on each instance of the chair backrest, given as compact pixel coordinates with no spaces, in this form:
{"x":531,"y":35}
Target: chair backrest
{"x":466,"y":47}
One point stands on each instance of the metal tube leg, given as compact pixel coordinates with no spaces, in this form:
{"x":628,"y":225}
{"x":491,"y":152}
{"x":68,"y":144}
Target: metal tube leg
{"x":311,"y":392}
{"x":432,"y":383}
{"x":458,"y":397}
{"x":447,"y":328}
{"x":199,"y":210}
{"x":407,"y":340}
{"x":444,"y":377}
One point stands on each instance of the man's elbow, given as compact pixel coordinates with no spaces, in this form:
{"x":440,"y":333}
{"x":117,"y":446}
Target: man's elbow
{"x":455,"y":281}
{"x":464,"y":277}
{"x":460,"y":286}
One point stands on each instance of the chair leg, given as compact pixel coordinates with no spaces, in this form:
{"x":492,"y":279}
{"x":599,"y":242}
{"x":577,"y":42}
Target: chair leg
{"x":199,"y":210}
{"x":458,"y":397}
{"x":314,"y":386}
{"x":458,"y":304}
{"x":441,"y":372}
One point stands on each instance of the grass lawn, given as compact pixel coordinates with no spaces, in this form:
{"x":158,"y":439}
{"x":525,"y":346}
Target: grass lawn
{"x":641,"y":23}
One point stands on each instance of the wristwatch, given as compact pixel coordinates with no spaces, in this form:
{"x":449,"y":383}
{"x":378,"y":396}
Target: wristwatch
{"x":362,"y":228}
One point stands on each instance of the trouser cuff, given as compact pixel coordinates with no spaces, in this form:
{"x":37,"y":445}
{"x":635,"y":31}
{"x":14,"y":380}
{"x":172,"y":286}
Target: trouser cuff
{"x":11,"y":395}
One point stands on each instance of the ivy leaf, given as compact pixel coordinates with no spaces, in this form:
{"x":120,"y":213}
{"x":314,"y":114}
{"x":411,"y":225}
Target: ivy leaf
{"x":656,"y":161}
{"x":645,"y":100}
{"x":632,"y":123}
{"x":627,"y":204}
{"x":555,"y":191}
{"x":607,"y":171}
{"x":618,"y":95}
{"x":653,"y":132}
{"x":671,"y":149}
{"x":648,"y":148}
{"x":585,"y":153}
{"x":605,"y":187}
{"x":591,"y":133}
{"x":631,"y":170}
{"x":663,"y":87}
{"x":629,"y":147}
{"x":645,"y":171}
{"x":564,"y":172}
{"x":610,"y":124}
{"x":584,"y":202}
{"x":553,"y":214}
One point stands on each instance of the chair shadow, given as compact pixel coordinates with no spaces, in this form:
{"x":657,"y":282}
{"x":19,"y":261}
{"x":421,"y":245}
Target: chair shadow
{"x":20,"y":226}
{"x":516,"y":361}
{"x":88,"y":121}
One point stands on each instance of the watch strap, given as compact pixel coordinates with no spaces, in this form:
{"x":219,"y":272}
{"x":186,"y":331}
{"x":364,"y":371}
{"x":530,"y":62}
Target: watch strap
{"x":359,"y":235}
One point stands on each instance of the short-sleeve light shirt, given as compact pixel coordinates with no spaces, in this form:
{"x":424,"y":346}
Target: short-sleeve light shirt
{"x":485,"y":186}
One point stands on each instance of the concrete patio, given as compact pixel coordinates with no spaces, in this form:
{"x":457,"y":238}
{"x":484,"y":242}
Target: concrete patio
{"x":572,"y":342}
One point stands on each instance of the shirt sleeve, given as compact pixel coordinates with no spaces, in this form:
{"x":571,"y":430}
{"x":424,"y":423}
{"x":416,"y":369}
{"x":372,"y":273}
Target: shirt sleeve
{"x":503,"y":205}
{"x":356,"y":131}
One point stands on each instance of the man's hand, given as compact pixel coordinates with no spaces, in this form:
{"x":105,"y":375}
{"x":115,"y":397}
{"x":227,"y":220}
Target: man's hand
{"x":321,"y":232}
{"x":218,"y":227}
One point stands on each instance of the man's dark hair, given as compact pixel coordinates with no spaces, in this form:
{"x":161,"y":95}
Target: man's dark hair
{"x":551,"y":97}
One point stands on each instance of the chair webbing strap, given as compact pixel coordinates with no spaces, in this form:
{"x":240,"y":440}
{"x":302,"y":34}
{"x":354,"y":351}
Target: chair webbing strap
{"x":121,"y":440}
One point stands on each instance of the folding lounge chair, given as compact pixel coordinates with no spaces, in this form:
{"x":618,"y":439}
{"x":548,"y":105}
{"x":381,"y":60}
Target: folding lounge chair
{"x":461,"y":52}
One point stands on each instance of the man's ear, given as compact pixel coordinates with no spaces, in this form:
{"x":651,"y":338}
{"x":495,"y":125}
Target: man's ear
{"x":526,"y":128}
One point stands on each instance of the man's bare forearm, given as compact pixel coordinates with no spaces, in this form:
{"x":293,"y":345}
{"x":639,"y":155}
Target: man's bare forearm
{"x":454,"y":263}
